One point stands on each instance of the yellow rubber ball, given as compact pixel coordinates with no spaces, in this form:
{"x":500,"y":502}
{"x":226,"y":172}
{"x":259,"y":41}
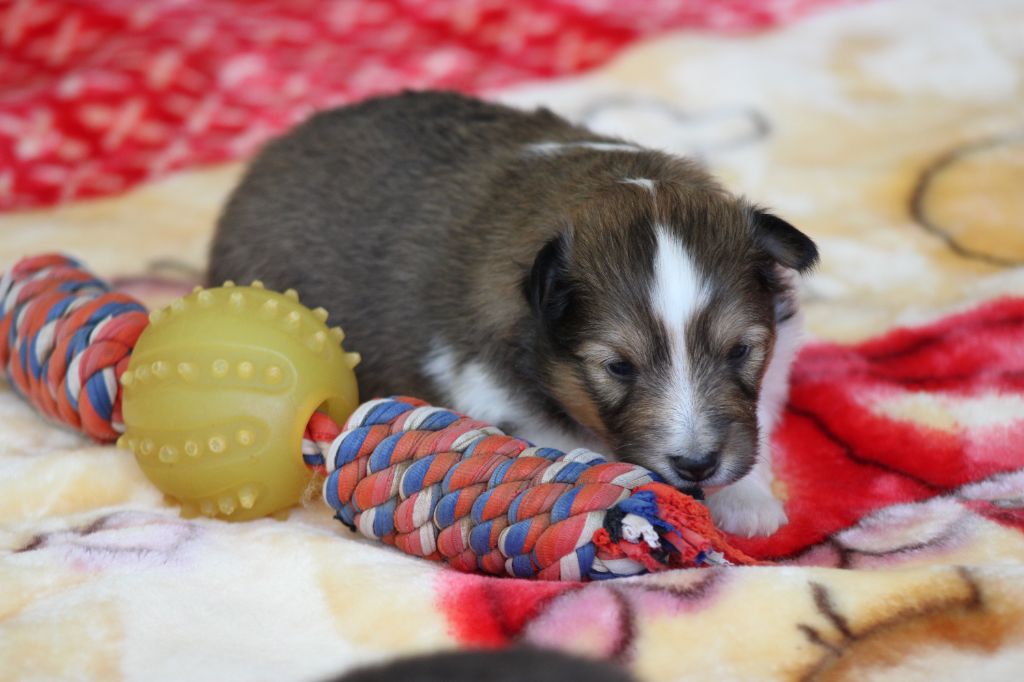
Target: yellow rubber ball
{"x":218,"y":392}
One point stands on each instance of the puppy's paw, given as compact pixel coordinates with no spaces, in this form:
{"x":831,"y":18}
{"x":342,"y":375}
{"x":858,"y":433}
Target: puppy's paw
{"x":747,"y":508}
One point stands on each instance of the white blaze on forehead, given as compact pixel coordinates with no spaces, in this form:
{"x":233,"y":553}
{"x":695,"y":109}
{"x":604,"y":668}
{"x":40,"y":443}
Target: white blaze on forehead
{"x":677,"y":293}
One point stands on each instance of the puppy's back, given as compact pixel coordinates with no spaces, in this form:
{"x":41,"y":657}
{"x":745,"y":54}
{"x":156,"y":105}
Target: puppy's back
{"x":360,"y":206}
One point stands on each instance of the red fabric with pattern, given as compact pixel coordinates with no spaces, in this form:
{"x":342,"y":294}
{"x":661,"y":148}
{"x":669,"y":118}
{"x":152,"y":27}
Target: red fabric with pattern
{"x":98,"y":95}
{"x":840,"y":458}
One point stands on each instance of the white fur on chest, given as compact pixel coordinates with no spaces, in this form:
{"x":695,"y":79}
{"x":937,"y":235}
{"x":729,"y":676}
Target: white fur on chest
{"x":473,"y":389}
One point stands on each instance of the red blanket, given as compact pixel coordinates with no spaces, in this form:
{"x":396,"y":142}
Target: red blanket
{"x":99,"y":95}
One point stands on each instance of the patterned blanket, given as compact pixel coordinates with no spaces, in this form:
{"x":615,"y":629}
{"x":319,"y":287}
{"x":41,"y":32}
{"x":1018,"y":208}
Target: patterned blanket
{"x":891,"y":131}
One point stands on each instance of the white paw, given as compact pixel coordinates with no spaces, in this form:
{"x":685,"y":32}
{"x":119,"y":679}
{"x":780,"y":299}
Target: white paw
{"x":747,"y":508}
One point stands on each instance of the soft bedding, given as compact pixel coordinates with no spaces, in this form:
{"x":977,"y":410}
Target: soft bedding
{"x":892,"y":132}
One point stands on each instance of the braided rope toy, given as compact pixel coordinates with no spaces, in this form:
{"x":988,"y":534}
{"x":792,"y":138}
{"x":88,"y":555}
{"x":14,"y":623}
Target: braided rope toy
{"x":64,"y":340}
{"x":219,"y":393}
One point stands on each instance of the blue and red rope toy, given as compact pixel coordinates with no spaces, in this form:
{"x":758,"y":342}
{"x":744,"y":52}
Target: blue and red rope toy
{"x":65,"y":338}
{"x":442,"y":486}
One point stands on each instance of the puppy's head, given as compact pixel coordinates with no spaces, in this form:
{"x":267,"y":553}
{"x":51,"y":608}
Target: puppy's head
{"x":656,"y":308}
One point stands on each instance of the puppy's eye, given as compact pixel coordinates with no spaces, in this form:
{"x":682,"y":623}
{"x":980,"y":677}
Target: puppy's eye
{"x":623,"y":370}
{"x":738,"y":352}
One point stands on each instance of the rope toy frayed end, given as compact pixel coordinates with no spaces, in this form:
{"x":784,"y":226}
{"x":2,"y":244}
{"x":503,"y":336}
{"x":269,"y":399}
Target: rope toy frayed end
{"x":662,"y":528}
{"x":636,"y":528}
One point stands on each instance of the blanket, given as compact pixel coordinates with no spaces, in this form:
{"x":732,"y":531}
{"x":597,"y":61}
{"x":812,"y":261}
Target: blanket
{"x":892,"y":132}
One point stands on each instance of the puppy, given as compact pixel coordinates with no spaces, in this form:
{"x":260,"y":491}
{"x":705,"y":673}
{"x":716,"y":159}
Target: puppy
{"x":575,"y":289}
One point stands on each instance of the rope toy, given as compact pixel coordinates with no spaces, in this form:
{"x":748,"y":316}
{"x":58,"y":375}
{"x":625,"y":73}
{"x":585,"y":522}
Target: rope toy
{"x":442,"y":486}
{"x":64,"y":340}
{"x":219,"y":394}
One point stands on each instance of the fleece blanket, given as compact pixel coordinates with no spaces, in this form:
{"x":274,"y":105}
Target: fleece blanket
{"x":891,"y":131}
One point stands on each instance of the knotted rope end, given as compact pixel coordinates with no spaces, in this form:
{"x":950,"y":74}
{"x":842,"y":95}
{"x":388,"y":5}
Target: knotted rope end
{"x":662,"y":528}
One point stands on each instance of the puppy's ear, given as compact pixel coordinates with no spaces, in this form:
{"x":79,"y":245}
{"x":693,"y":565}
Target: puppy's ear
{"x":547,"y":287}
{"x":783,"y":242}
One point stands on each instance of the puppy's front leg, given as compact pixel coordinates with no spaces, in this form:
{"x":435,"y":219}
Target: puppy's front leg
{"x":748,"y":507}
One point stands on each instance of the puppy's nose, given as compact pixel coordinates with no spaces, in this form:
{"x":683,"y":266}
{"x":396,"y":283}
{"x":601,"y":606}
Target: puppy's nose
{"x":698,"y":468}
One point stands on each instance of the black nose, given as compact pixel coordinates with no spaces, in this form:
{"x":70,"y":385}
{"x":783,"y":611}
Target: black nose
{"x":698,"y":468}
